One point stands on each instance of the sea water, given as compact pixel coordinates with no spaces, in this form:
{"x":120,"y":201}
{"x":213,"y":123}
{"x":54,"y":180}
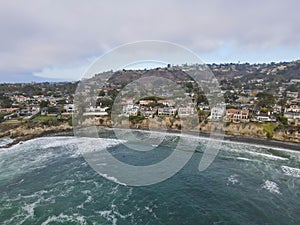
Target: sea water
{"x":47,"y":181}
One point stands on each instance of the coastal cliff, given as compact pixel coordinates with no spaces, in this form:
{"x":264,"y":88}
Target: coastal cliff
{"x":24,"y":133}
{"x":252,"y":130}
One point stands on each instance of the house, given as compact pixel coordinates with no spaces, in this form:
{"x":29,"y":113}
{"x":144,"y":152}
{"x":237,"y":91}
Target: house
{"x":292,"y":108}
{"x":204,"y":107}
{"x":237,"y":115}
{"x":293,"y":118}
{"x":130,"y":110}
{"x":264,"y":117}
{"x":145,"y":102}
{"x":291,"y":94}
{"x":96,"y":111}
{"x":277,"y":108}
{"x":127,"y":101}
{"x":8,"y":110}
{"x":44,"y":111}
{"x":148,"y":111}
{"x":69,"y":108}
{"x":186,"y":111}
{"x":28,"y":111}
{"x":168,"y":103}
{"x":217,"y":113}
{"x":294,"y":81}
{"x":21,"y":98}
{"x":166,"y":111}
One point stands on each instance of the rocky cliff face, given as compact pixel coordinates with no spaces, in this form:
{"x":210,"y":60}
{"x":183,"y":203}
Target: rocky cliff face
{"x":23,"y":133}
{"x":37,"y":131}
{"x":259,"y":131}
{"x":248,"y":130}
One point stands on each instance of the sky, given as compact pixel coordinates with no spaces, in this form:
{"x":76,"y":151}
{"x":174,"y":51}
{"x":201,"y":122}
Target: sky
{"x":58,"y":40}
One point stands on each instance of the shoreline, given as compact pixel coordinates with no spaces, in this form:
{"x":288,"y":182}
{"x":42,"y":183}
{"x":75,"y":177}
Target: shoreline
{"x":231,"y":138}
{"x":236,"y":139}
{"x":44,"y":133}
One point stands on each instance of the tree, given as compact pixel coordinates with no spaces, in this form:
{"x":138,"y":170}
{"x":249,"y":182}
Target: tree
{"x":282,"y":103}
{"x":230,"y":97}
{"x":105,"y":102}
{"x":283,"y":119}
{"x":44,"y":104}
{"x":5,"y":102}
{"x":265,"y":100}
{"x":102,"y":93}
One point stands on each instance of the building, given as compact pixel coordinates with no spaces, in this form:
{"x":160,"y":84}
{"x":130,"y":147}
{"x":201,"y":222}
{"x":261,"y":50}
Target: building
{"x":148,"y":111}
{"x":8,"y":110}
{"x":44,"y":111}
{"x":293,"y":118}
{"x":295,"y":81}
{"x":237,"y":115}
{"x":217,"y":113}
{"x":291,"y":94}
{"x":166,"y":111}
{"x":130,"y":110}
{"x":264,"y":117}
{"x":145,"y":102}
{"x":292,"y":108}
{"x":186,"y":111}
{"x":69,"y":108}
{"x":168,"y":103}
{"x":127,"y":101}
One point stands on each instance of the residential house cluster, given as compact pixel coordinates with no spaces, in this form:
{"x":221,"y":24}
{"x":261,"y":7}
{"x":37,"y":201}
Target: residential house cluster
{"x":149,"y":108}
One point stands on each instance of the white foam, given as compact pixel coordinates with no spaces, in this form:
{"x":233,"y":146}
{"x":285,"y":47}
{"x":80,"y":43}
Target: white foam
{"x":271,"y":186}
{"x":268,"y":156}
{"x":247,"y":159}
{"x":35,"y":153}
{"x":5,"y":141}
{"x":290,"y":171}
{"x":232,"y":179}
{"x":191,"y":136}
{"x":111,"y":178}
{"x":87,"y":145}
{"x":109,"y":215}
{"x":65,"y":218}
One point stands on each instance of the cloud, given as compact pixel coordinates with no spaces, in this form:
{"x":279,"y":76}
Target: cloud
{"x":39,"y":35}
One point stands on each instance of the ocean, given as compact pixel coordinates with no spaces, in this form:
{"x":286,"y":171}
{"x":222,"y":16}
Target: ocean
{"x":47,"y":181}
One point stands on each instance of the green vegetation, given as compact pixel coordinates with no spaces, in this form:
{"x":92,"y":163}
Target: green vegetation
{"x":5,"y":101}
{"x":105,"y":102}
{"x":44,"y":104}
{"x":269,"y":129}
{"x":136,"y":119}
{"x":44,"y":118}
{"x":265,"y":100}
{"x":70,"y":122}
{"x":283,"y":120}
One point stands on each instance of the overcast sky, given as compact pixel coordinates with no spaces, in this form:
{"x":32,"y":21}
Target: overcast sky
{"x":59,"y":39}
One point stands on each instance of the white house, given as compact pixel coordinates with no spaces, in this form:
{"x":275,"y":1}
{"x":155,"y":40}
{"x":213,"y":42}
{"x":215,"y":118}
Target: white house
{"x":292,"y":108}
{"x":217,"y":112}
{"x":166,"y":111}
{"x":186,"y":111}
{"x":69,"y":108}
{"x":130,"y":110}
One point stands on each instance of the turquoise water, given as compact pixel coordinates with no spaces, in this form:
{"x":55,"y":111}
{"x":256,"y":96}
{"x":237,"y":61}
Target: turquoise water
{"x":47,"y":181}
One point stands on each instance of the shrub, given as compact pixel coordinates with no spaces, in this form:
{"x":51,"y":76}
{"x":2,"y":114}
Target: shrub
{"x":269,"y":129}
